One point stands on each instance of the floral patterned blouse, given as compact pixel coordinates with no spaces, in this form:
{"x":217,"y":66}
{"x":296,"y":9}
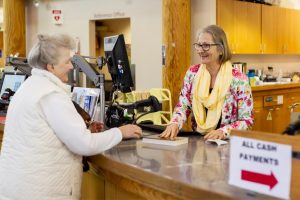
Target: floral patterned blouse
{"x":237,"y":108}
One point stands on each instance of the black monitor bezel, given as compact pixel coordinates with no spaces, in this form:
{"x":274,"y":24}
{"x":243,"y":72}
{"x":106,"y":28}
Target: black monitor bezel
{"x":123,"y":83}
{"x":10,"y":73}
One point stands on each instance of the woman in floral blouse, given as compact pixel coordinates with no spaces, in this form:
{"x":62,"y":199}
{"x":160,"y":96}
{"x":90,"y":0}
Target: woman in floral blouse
{"x":218,"y":95}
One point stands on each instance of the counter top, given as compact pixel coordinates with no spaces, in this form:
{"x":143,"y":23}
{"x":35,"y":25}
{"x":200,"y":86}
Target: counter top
{"x":275,"y":86}
{"x":190,"y":171}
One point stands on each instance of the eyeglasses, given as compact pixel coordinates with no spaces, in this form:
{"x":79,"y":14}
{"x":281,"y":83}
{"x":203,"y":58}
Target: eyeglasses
{"x":205,"y":46}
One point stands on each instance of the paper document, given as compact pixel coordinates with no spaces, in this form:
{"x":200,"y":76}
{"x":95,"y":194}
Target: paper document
{"x":155,"y":139}
{"x":216,"y":141}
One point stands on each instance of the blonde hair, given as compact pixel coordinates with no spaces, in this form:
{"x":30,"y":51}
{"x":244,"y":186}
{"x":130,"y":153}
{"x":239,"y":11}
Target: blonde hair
{"x":220,"y":38}
{"x":46,"y":50}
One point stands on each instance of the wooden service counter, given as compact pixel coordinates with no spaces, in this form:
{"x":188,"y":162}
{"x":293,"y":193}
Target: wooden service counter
{"x":194,"y":171}
{"x":272,"y":106}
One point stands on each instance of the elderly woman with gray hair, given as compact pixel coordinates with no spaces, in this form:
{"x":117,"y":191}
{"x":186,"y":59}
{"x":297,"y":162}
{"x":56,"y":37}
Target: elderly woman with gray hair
{"x":44,"y":136}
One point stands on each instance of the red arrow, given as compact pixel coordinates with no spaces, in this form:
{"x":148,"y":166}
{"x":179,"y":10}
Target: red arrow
{"x":264,"y":179}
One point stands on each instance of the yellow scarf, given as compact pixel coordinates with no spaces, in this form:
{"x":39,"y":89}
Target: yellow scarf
{"x":213,"y":101}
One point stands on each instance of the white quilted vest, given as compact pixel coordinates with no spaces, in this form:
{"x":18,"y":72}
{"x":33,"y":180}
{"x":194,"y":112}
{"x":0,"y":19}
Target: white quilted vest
{"x":34,"y":163}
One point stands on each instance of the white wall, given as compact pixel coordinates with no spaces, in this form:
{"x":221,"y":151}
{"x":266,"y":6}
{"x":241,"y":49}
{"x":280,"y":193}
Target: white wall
{"x":146,"y":29}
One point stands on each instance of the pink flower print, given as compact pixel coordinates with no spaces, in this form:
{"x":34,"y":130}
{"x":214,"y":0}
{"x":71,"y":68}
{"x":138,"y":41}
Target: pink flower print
{"x":194,"y":68}
{"x":188,"y":96}
{"x":249,"y":102}
{"x":235,"y":125}
{"x":235,"y":72}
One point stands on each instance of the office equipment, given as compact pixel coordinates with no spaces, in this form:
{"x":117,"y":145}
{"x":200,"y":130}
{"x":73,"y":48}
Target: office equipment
{"x":161,"y":117}
{"x":118,"y":66}
{"x":118,"y":63}
{"x":20,"y":64}
{"x":12,"y":81}
{"x":87,"y":99}
{"x":97,"y":78}
{"x":118,"y":114}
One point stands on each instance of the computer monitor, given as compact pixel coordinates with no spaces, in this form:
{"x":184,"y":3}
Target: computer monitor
{"x":117,"y":62}
{"x":11,"y":80}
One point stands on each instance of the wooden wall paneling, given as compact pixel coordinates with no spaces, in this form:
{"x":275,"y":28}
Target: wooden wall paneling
{"x":177,"y":42}
{"x":92,"y":186}
{"x":14,"y":27}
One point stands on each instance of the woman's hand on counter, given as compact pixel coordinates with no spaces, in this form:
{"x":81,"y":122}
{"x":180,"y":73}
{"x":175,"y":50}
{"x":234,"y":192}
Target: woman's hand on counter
{"x":171,"y":131}
{"x":215,"y":134}
{"x":130,"y":131}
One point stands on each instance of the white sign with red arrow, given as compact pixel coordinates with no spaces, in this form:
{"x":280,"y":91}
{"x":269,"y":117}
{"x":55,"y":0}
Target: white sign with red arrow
{"x":260,"y":166}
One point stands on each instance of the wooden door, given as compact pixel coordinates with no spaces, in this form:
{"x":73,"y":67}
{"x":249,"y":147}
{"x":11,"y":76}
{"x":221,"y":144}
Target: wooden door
{"x":247,"y":24}
{"x":177,"y":43}
{"x":270,"y":30}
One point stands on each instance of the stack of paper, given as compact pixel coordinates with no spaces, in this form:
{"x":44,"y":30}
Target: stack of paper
{"x":87,"y":98}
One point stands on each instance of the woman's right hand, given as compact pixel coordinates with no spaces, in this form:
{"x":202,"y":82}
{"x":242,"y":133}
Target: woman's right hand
{"x":130,"y":131}
{"x":171,"y":131}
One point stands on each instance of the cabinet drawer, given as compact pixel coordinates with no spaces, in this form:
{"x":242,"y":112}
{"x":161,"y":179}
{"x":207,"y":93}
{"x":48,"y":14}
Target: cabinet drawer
{"x":257,"y":102}
{"x":293,"y":98}
{"x":273,"y":100}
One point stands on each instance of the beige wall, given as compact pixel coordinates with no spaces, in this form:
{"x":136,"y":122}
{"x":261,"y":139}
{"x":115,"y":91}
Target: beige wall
{"x":146,"y":29}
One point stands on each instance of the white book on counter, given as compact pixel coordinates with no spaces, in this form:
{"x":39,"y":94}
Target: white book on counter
{"x":155,"y":139}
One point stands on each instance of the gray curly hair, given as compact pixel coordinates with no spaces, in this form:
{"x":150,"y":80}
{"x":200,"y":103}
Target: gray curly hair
{"x":45,"y":51}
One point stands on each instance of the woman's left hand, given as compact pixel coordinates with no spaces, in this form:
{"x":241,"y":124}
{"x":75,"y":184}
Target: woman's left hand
{"x":214,"y":134}
{"x":96,"y":127}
